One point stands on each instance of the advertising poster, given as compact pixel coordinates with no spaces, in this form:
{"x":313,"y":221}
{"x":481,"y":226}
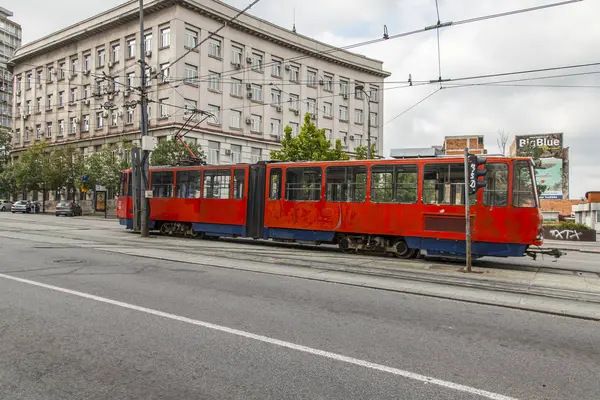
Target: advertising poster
{"x":549,"y":171}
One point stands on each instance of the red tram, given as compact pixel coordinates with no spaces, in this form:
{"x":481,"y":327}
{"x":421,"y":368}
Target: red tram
{"x":402,"y":206}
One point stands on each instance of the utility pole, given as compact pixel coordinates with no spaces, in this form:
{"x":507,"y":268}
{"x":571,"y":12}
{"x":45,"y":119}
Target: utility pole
{"x":143,"y":130}
{"x":467,"y":211}
{"x":369,"y":155}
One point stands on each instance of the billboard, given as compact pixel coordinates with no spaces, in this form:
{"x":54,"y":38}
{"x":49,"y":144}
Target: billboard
{"x":549,"y":152}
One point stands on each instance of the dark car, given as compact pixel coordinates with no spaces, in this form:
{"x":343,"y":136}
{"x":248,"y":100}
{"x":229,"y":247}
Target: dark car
{"x":68,"y":208}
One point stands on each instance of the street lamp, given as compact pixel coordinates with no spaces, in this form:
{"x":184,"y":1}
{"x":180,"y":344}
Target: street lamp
{"x":362,"y":89}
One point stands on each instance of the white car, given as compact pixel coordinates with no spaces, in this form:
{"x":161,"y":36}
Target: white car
{"x":5,"y":205}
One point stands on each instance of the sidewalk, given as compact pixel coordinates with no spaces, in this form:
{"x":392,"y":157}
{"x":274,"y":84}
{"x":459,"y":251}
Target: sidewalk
{"x":583,"y":247}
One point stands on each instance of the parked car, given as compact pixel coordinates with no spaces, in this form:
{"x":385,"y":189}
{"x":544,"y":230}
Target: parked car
{"x":68,"y":208}
{"x":5,"y":205}
{"x":22,"y":206}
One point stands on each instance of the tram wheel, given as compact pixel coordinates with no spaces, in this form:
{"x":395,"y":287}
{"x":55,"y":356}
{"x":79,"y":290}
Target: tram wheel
{"x":344,"y":244}
{"x":402,"y":250}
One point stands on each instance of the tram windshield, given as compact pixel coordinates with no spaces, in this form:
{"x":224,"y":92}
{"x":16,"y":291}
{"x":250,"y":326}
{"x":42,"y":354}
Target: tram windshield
{"x":524,"y":187}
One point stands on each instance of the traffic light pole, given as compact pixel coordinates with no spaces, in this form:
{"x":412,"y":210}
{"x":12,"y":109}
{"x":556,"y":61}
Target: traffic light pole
{"x":144,"y":164}
{"x":467,"y":212}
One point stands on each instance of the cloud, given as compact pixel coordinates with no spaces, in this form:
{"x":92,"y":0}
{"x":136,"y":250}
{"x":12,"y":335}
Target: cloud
{"x":552,"y":37}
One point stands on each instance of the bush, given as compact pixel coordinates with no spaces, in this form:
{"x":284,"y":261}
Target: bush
{"x":567,"y":225}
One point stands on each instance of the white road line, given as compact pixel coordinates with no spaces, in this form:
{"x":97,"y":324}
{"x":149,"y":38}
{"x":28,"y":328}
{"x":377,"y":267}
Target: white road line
{"x":276,"y":342}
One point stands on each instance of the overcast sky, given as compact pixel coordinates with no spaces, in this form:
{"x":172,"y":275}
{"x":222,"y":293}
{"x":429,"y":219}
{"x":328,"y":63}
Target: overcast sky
{"x":560,"y":36}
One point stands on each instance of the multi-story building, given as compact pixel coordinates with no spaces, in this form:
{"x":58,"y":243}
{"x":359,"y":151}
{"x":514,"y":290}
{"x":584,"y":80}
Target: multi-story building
{"x":80,"y":85}
{"x":10,"y":40}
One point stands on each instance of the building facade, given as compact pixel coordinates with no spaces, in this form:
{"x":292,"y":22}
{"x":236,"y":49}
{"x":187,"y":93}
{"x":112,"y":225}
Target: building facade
{"x":10,"y":41}
{"x":81,"y":84}
{"x":588,"y":211}
{"x":456,"y":145}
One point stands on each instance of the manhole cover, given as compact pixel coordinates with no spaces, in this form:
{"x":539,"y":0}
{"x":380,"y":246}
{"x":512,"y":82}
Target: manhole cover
{"x":69,"y":261}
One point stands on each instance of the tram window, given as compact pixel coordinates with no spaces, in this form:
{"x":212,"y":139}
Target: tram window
{"x":346,"y":184}
{"x":523,"y":185}
{"x":216,"y":183}
{"x":188,"y":184}
{"x":394,"y":183}
{"x":129,"y":185}
{"x":162,"y":184}
{"x":495,"y":193}
{"x":444,"y":184}
{"x":303,"y":184}
{"x":123,"y":187}
{"x":275,"y":184}
{"x":239,"y":176}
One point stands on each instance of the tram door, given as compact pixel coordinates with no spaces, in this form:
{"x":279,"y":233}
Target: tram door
{"x":255,"y":220}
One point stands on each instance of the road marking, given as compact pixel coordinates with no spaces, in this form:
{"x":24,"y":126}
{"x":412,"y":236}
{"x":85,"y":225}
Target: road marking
{"x":276,"y":342}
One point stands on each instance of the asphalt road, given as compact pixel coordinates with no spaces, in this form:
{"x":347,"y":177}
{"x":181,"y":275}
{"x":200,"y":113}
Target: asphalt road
{"x":139,"y":328}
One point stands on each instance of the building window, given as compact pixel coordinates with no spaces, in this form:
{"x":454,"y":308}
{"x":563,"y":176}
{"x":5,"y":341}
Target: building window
{"x":303,"y":184}
{"x":295,"y":128}
{"x":357,"y":140}
{"x":38,"y":104}
{"x":255,"y":155}
{"x":257,"y":62}
{"x":116,"y":50}
{"x":73,"y":95}
{"x":50,"y":74}
{"x":61,"y":127}
{"x":191,"y":38}
{"x":374,"y":96}
{"x":275,"y":97}
{"x":49,"y":129}
{"x":256,"y":92}
{"x":19,"y":84}
{"x":101,"y":57}
{"x":343,"y":113}
{"x":131,"y":48}
{"x":73,"y":126}
{"x":49,"y":102}
{"x":29,"y":81}
{"x":39,"y":77}
{"x":214,"y":81}
{"x":130,"y":115}
{"x":311,"y":106}
{"x":444,"y":184}
{"x":358,"y":116}
{"x":346,"y":184}
{"x":256,"y":123}
{"x":148,"y":77}
{"x":191,"y":107}
{"x":86,"y":123}
{"x":236,"y":87}
{"x":114,"y":118}
{"x":162,"y":184}
{"x":61,"y":98}
{"x":343,"y":87}
{"x":311,"y":78}
{"x":87,"y":62}
{"x":164,"y":73}
{"x":165,"y":37}
{"x":275,"y":127}
{"x":38,"y":131}
{"x":294,"y":98}
{"x":328,"y":83}
{"x":27,"y":107}
{"x":276,"y":67}
{"x":294,"y":72}
{"x":358,"y":93}
{"x":99,"y":120}
{"x":236,"y":119}
{"x":394,"y":183}
{"x":213,"y":154}
{"x":116,"y":84}
{"x":163,"y":107}
{"x":327,"y":109}
{"x":215,"y":112}
{"x":236,"y":55}
{"x":191,"y":74}
{"x":373,"y":119}
{"x":214,"y":48}
{"x":131,"y":80}
{"x":61,"y":70}
{"x":148,"y":42}
{"x":236,"y":153}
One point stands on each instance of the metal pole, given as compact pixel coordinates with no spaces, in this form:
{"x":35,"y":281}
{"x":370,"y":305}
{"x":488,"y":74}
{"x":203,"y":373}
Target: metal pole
{"x":143,"y":128}
{"x":369,"y":155}
{"x":467,"y":213}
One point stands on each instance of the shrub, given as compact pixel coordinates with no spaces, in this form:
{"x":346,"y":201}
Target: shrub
{"x":567,"y":225}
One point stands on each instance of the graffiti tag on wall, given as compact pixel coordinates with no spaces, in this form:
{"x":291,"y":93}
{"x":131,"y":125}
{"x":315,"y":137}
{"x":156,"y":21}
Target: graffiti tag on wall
{"x":566,"y":234}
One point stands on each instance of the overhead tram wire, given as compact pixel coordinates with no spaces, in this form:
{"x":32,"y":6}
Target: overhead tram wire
{"x":413,"y":106}
{"x":400,"y":35}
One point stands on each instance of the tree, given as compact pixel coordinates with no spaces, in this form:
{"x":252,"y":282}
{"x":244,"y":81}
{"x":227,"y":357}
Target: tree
{"x":530,"y":150}
{"x":104,"y":167}
{"x":8,"y":182}
{"x":502,"y":140}
{"x":5,"y":147}
{"x":311,"y":144}
{"x":67,"y":168}
{"x":173,"y":152}
{"x":362,"y":153}
{"x":33,"y":170}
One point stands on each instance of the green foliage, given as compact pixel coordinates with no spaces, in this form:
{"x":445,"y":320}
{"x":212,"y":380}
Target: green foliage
{"x":311,"y":144}
{"x":530,"y":150}
{"x":362,"y":152}
{"x":5,"y":147}
{"x":34,"y":169}
{"x":172,"y":152}
{"x":104,"y":167}
{"x":8,"y":181}
{"x":567,"y":225}
{"x":68,"y":166}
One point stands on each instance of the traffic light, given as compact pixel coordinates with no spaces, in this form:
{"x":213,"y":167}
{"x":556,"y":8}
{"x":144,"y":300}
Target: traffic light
{"x":475,"y":173}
